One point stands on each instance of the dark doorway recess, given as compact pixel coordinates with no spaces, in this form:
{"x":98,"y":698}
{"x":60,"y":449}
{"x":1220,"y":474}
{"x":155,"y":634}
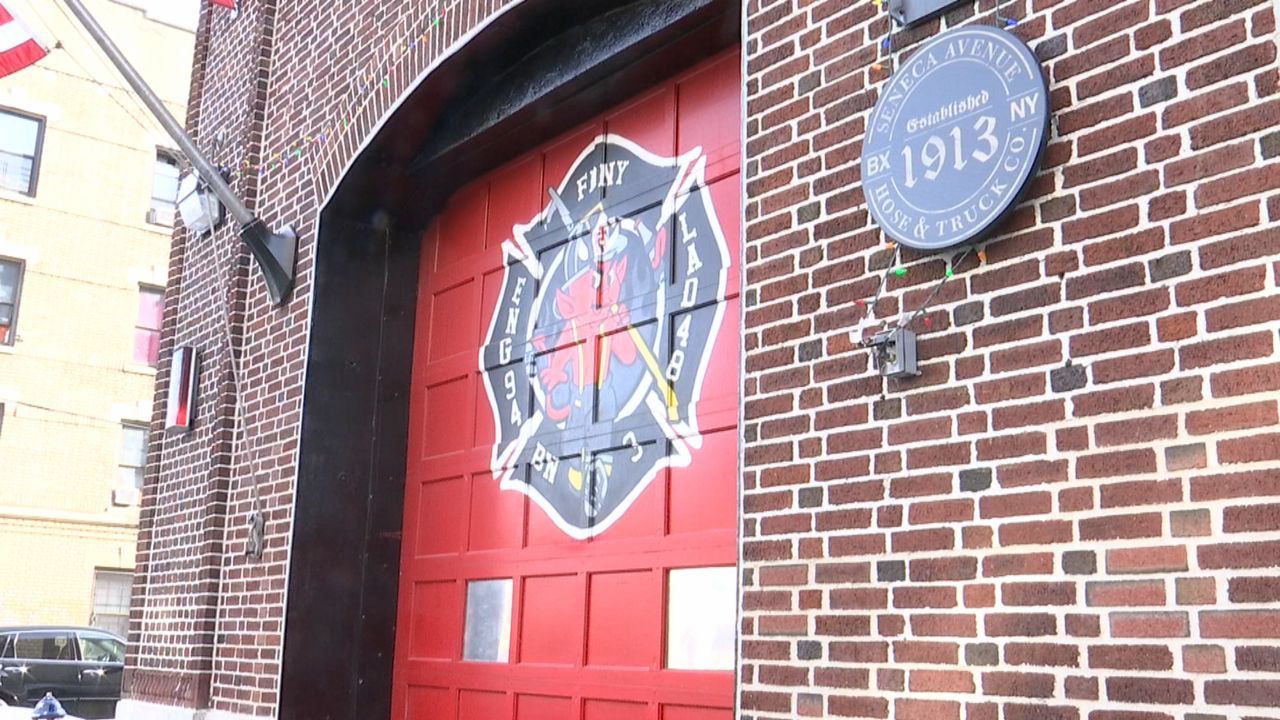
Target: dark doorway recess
{"x":542,"y":68}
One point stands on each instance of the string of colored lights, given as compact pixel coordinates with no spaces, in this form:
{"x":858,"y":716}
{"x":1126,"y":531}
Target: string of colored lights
{"x":371,"y":79}
{"x":897,"y":270}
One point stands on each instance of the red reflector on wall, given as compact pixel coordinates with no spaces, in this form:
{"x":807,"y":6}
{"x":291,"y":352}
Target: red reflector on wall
{"x":180,"y":404}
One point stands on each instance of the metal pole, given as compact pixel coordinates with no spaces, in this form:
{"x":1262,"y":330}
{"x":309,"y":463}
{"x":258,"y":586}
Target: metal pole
{"x":273,"y":251}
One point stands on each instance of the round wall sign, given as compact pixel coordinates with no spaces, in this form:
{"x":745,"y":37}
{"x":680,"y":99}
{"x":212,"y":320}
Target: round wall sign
{"x":955,"y":137}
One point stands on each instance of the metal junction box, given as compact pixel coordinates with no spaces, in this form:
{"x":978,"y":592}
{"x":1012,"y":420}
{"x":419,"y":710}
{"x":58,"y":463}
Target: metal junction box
{"x":912,"y":12}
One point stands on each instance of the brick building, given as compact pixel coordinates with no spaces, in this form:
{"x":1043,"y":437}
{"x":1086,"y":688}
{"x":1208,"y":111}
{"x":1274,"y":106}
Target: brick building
{"x":1070,"y":513}
{"x":82,"y":269}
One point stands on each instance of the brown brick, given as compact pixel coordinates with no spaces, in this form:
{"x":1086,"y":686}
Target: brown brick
{"x":1257,"y":658}
{"x":1213,"y":352}
{"x":918,"y":709}
{"x":1242,"y":314}
{"x":1006,"y":564}
{"x":1257,"y":693}
{"x":1149,"y":625}
{"x":1239,"y":248}
{"x":1018,"y":684}
{"x":1257,"y":448}
{"x":1141,"y":492}
{"x":1237,"y":124}
{"x":1164,"y":691}
{"x":1205,"y":104}
{"x":1100,"y":224}
{"x":1124,"y":399}
{"x":1038,"y":594}
{"x":1230,"y":65}
{"x":1147,"y":559}
{"x":1190,"y":523}
{"x":1204,"y":659}
{"x":1235,"y":417}
{"x":1125,"y":593}
{"x":1132,"y":366}
{"x":1042,"y":654}
{"x":1040,"y":532}
{"x":1203,"y":44}
{"x":1131,"y":657}
{"x":1235,"y":186}
{"x":1020,"y":624}
{"x":1253,"y":483}
{"x":1116,"y":463}
{"x":1180,"y":390}
{"x":1195,"y":591}
{"x":1242,"y":624}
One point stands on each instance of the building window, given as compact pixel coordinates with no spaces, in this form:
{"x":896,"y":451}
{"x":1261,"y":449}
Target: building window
{"x":164,"y":189}
{"x":111,"y":590}
{"x":10,"y":289}
{"x":133,"y":456}
{"x":146,"y":334}
{"x":21,"y":138}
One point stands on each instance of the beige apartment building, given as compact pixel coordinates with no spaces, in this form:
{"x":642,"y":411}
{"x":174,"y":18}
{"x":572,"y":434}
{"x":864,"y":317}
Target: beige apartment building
{"x":87,"y":188}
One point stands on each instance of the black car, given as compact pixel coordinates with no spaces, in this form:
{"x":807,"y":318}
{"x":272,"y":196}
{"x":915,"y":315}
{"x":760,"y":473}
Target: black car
{"x":80,"y":666}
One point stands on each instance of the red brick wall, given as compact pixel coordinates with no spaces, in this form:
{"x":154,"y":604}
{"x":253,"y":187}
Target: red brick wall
{"x":1075,"y":510}
{"x":206,"y":621}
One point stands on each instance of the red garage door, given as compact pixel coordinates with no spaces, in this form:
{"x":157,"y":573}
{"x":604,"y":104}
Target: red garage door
{"x":571,"y":506}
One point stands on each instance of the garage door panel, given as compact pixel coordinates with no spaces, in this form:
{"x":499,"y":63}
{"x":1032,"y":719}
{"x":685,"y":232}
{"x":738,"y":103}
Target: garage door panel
{"x":430,"y":703}
{"x":519,"y":402}
{"x":726,"y":203}
{"x":648,"y":120}
{"x":480,"y":705}
{"x":685,"y":712}
{"x":645,"y":515}
{"x":517,"y":197}
{"x":559,"y":156}
{"x":719,"y":392}
{"x":543,"y":530}
{"x":706,"y":97}
{"x":455,"y":320}
{"x":624,"y":619}
{"x":461,"y":224}
{"x":622,"y":363}
{"x":437,"y":504}
{"x":450,"y":399}
{"x":698,"y":502}
{"x":496,"y":516}
{"x":519,"y":287}
{"x":435,"y":618}
{"x":551,"y":620}
{"x":614,"y":710}
{"x":545,"y":707}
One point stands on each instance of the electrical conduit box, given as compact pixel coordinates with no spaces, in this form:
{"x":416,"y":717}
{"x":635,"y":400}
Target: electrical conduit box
{"x":913,"y":12}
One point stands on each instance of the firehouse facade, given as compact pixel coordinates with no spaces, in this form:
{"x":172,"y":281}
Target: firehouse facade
{"x":633,"y":369}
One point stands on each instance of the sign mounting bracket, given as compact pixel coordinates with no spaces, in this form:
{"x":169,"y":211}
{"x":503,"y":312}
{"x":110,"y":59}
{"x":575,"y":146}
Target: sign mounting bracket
{"x":913,"y":12}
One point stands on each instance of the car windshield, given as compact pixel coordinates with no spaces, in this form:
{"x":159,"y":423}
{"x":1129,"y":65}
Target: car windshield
{"x":101,"y":649}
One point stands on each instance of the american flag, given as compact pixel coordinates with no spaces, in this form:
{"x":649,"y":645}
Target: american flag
{"x":18,"y":46}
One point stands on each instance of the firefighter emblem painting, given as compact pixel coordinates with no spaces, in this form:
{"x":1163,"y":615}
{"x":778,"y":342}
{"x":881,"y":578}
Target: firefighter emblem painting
{"x":602,"y":333}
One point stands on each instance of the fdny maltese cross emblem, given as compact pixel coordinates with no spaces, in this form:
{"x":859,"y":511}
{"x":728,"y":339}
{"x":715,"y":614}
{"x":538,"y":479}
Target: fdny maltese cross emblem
{"x":595,"y":358}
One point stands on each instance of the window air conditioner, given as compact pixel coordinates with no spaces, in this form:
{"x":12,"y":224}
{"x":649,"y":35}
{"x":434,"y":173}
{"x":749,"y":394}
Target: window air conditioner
{"x":159,"y":216}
